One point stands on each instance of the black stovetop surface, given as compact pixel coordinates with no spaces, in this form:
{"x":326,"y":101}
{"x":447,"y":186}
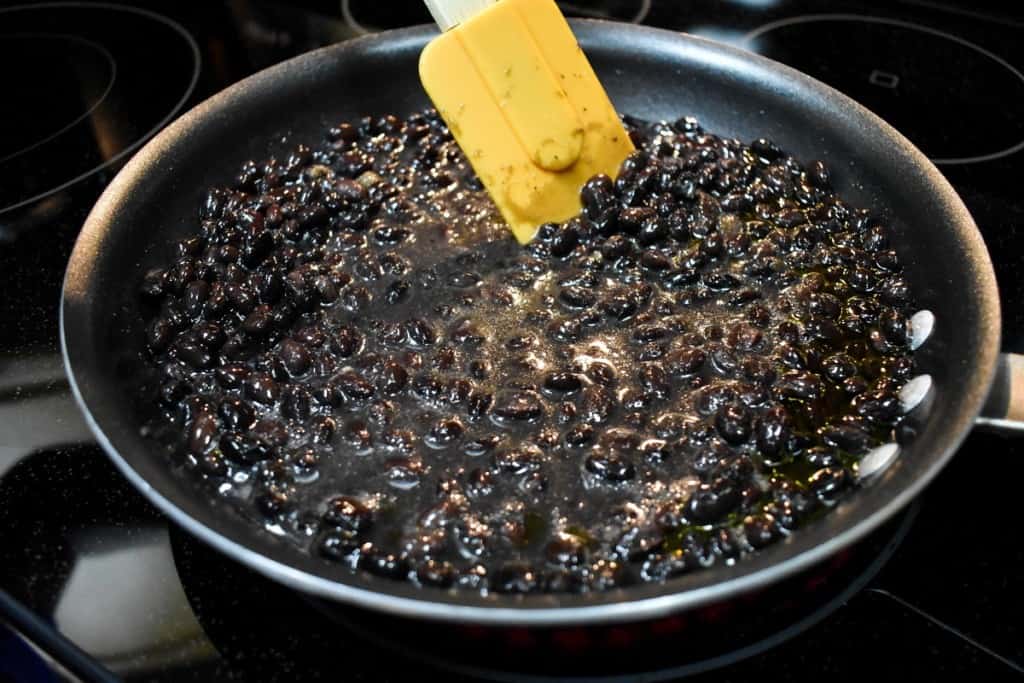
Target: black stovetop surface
{"x":86,"y":561}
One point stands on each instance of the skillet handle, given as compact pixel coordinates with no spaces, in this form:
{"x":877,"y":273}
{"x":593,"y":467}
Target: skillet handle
{"x":1004,"y":410}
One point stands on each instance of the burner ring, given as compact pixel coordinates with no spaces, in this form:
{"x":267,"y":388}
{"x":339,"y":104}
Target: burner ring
{"x":751,"y":36}
{"x":190,"y":46}
{"x":111,"y":64}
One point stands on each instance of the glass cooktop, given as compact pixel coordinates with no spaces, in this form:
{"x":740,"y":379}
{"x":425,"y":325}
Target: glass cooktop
{"x":97,"y":585}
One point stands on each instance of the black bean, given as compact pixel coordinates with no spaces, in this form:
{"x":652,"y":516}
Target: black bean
{"x":817,"y":456}
{"x":295,"y":356}
{"x":805,"y":386}
{"x":847,"y":437}
{"x":444,"y":432}
{"x":610,"y":466}
{"x":354,"y":298}
{"x":619,"y":306}
{"x":766,"y":149}
{"x":392,"y":334}
{"x":481,"y":444}
{"x":709,"y":399}
{"x":733,"y":423}
{"x":437,"y":573}
{"x":533,"y":484}
{"x":711,"y":502}
{"x":196,"y":355}
{"x":467,"y":334}
{"x":887,"y":260}
{"x":348,"y":516}
{"x":459,"y":391}
{"x":210,"y":335}
{"x":397,"y":292}
{"x":296,"y":403}
{"x":271,"y":431}
{"x":721,"y":282}
{"x":517,"y":406}
{"x":391,"y":234}
{"x":357,"y":434}
{"x":761,"y":530}
{"x":428,"y":387}
{"x":650,"y":332}
{"x":839,"y":366}
{"x":652,"y":230}
{"x":262,"y":388}
{"x":654,"y":379}
{"x":896,"y":328}
{"x":596,"y":195}
{"x":420,"y":333}
{"x":828,"y":483}
{"x":244,"y":449}
{"x":577,"y":297}
{"x":258,"y":323}
{"x":601,"y":372}
{"x":655,"y":261}
{"x":174,"y":391}
{"x":275,"y":500}
{"x":519,"y":460}
{"x":616,"y":247}
{"x":337,"y":547}
{"x":880,"y":407}
{"x":631,"y":220}
{"x":655,"y":451}
{"x":196,"y":294}
{"x":723,"y":361}
{"x":596,"y":404}
{"x":685,"y":361}
{"x":381,"y":563}
{"x":403,"y":473}
{"x":354,"y":387}
{"x":479,"y":483}
{"x":566,"y":551}
{"x":237,"y":413}
{"x":463,"y":280}
{"x":282,"y":316}
{"x":159,"y":334}
{"x":564,"y":241}
{"x":392,"y":378}
{"x":565,"y":330}
{"x":213,"y":464}
{"x":819,"y":175}
{"x":322,"y":429}
{"x":401,"y":440}
{"x":515,"y":578}
{"x":562,"y":383}
{"x":520,"y":342}
{"x":579,"y":436}
{"x":202,"y":433}
{"x":773,"y":430}
{"x":240,"y":297}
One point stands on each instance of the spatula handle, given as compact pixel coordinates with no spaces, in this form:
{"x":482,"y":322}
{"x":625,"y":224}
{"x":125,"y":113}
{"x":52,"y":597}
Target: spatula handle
{"x":450,"y":13}
{"x":1004,"y":411}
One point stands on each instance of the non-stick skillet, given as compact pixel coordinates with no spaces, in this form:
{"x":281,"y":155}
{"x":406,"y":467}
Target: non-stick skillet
{"x":649,"y":73}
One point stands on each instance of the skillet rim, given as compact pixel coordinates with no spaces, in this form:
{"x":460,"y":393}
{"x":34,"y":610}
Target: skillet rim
{"x":627,"y":604}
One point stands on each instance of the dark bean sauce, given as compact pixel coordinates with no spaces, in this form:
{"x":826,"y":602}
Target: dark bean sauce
{"x":353,"y":349}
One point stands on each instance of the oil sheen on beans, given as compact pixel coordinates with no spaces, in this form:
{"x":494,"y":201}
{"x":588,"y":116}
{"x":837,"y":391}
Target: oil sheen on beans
{"x":354,"y":352}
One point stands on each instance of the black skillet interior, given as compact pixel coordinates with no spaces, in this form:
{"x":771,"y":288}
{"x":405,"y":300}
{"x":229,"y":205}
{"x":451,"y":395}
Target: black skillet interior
{"x":648,"y":73}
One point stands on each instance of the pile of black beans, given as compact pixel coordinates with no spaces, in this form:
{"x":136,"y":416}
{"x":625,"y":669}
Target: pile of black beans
{"x":354,"y":351}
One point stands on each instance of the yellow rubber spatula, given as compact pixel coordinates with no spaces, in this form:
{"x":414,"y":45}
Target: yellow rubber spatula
{"x":522,"y":101}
